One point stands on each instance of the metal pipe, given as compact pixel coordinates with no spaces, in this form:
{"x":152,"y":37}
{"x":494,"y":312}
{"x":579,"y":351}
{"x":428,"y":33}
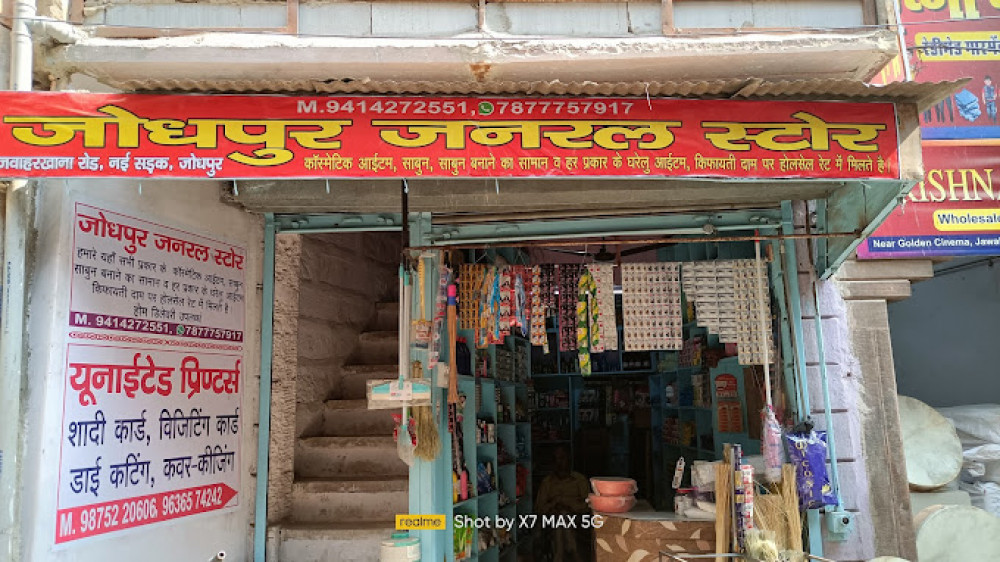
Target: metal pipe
{"x":965,"y":266}
{"x":12,"y":314}
{"x":466,"y":245}
{"x":477,"y":218}
{"x":264,"y":407}
{"x":791,"y":358}
{"x":693,"y":230}
{"x":20,"y":46}
{"x":792,"y":278}
{"x":831,"y":440}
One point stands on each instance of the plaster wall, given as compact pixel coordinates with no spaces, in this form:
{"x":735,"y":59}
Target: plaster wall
{"x":284,"y":371}
{"x":844,"y":380}
{"x":326,"y":288}
{"x":193,"y":206}
{"x":947,"y":332}
{"x":342,"y":277}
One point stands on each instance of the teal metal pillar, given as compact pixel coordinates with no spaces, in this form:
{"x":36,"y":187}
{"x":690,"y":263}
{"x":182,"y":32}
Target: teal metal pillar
{"x":792,"y":279}
{"x":813,"y":518}
{"x":778,"y":274}
{"x":430,"y":481}
{"x":264,"y":400}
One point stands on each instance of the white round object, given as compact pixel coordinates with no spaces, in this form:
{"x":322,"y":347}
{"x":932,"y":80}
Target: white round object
{"x":930,"y":444}
{"x":400,"y":548}
{"x":888,"y":559}
{"x":957,"y":533}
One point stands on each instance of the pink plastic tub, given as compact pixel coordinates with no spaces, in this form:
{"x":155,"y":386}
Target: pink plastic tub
{"x":612,"y":486}
{"x":611,"y":504}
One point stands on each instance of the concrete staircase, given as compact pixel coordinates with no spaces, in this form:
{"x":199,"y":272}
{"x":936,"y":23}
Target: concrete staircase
{"x":349,"y":482}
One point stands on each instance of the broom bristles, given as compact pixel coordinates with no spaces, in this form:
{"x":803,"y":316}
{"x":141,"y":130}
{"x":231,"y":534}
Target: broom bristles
{"x":428,"y":440}
{"x":723,"y":499}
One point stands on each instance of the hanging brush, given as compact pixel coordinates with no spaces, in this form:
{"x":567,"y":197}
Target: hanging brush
{"x":772,"y":429}
{"x":428,"y":439}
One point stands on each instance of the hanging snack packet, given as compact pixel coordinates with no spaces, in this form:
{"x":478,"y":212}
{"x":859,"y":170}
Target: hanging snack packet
{"x":807,"y":451}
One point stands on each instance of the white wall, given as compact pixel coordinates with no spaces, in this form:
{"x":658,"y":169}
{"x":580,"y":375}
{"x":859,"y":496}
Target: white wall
{"x":843,"y":379}
{"x":193,"y":206}
{"x":945,"y":338}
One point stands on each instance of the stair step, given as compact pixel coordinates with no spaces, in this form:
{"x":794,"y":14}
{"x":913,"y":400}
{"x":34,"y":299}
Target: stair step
{"x":355,"y":499}
{"x":354,"y":379}
{"x":352,"y":417}
{"x":378,"y":346}
{"x":354,"y":484}
{"x":344,"y":457}
{"x":380,"y":337}
{"x":355,"y":541}
{"x":387,"y":316}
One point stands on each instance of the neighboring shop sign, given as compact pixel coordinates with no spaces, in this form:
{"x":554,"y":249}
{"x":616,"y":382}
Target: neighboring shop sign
{"x":152,"y":416}
{"x":951,"y":40}
{"x":137,"y":276}
{"x":955,"y":211}
{"x":118,"y":135}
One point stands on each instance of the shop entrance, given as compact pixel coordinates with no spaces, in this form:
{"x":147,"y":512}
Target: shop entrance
{"x":528,"y":418}
{"x":337,"y":482}
{"x":551,"y":432}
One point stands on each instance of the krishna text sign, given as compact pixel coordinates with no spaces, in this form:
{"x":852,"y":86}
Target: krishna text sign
{"x":955,"y":211}
{"x":113,"y":135}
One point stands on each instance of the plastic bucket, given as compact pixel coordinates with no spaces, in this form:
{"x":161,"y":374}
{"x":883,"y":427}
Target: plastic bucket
{"x":401,"y":547}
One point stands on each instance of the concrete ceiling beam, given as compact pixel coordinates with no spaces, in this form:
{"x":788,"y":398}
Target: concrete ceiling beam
{"x":221,"y":57}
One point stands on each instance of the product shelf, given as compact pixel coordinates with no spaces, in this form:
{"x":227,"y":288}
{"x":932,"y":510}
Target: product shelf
{"x":465,"y":503}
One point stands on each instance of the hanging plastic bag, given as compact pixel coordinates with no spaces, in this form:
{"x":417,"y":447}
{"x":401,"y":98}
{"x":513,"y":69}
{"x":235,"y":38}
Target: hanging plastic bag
{"x":807,"y":451}
{"x":773,"y":457}
{"x":406,"y":443}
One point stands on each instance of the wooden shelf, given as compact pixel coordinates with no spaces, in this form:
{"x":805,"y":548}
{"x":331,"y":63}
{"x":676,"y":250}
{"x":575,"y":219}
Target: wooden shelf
{"x":702,"y":408}
{"x":596,"y":374}
{"x":464,"y":503}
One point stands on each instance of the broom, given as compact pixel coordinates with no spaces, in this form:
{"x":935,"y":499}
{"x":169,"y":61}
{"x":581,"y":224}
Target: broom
{"x":723,"y":502}
{"x":428,"y":440}
{"x":790,"y":497}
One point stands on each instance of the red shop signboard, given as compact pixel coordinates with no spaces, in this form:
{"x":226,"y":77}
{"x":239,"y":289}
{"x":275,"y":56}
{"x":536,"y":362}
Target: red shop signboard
{"x":69,"y":135}
{"x":955,"y":211}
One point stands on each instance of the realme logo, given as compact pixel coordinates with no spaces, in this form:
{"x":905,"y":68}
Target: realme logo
{"x":420,"y":523}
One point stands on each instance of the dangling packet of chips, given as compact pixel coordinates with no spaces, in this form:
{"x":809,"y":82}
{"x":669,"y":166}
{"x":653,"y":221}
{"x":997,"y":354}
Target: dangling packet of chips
{"x":807,"y":451}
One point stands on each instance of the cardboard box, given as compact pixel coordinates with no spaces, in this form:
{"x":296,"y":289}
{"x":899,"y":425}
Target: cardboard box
{"x":623,"y":539}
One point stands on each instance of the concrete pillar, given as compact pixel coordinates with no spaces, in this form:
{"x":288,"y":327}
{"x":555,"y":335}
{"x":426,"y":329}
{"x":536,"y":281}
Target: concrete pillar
{"x":864,"y":288}
{"x":287,"y":262}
